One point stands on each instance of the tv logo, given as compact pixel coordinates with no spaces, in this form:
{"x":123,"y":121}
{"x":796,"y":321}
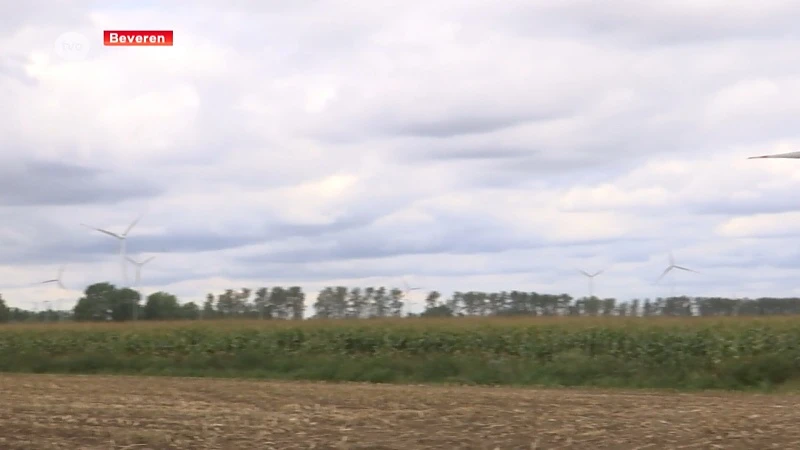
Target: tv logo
{"x":72,"y":46}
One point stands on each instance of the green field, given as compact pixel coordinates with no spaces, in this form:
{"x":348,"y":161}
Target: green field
{"x":691,"y":353}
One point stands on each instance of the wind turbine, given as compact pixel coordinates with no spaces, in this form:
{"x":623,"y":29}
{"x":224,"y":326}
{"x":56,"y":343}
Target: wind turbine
{"x":139,"y":266}
{"x":790,"y":155}
{"x":138,"y":278}
{"x":60,"y":284}
{"x":408,"y":290}
{"x":57,"y":280}
{"x":591,"y":276}
{"x":122,"y":240}
{"x":669,"y":268}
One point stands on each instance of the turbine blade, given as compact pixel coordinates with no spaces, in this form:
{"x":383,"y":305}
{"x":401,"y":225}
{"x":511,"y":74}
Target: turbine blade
{"x":597,"y":273}
{"x":585,"y":273}
{"x":671,"y":259}
{"x":61,"y":285}
{"x":133,"y":224}
{"x":792,"y":155}
{"x":61,"y":270}
{"x":133,"y":261}
{"x":148,"y":260}
{"x":666,"y":271}
{"x":103,"y":231}
{"x":686,"y":269}
{"x":48,"y":281}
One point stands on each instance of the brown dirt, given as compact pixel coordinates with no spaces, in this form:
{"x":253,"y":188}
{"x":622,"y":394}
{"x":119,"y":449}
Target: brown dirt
{"x":91,"y":412}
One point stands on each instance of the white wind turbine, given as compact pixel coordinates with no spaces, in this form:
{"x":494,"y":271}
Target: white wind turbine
{"x":138,"y":279}
{"x":790,"y":155}
{"x":122,"y":241}
{"x":57,"y":280}
{"x":591,"y":276}
{"x":408,"y":290}
{"x":669,"y":268}
{"x":60,"y":284}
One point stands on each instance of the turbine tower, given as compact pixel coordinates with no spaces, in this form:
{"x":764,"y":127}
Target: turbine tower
{"x":591,"y":276}
{"x":122,"y":241}
{"x":669,"y":268}
{"x":138,"y":279}
{"x":790,"y":155}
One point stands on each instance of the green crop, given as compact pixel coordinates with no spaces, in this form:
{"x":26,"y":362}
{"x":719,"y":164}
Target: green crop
{"x":719,"y":353}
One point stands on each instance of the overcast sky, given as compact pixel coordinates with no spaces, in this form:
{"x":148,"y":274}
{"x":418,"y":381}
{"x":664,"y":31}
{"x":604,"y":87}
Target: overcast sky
{"x":461,"y":144}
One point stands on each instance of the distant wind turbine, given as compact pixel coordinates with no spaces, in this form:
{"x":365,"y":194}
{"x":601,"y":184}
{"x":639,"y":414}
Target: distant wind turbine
{"x":138,"y":278}
{"x":122,"y":243}
{"x":408,"y":291}
{"x":591,"y":276}
{"x":60,"y":284}
{"x":56,"y":280}
{"x":790,"y":155}
{"x":669,"y":268}
{"x":139,"y":266}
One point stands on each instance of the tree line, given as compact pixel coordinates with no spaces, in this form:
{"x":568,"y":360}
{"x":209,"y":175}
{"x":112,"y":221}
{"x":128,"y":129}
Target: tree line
{"x":107,"y":302}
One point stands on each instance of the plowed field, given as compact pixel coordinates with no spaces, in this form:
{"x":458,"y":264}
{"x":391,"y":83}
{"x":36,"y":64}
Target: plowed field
{"x":95,"y":412}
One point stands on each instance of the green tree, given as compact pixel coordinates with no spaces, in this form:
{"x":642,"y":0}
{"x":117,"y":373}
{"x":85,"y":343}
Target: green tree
{"x":190,"y":311}
{"x":208,"y":311}
{"x":95,"y":303}
{"x":438,"y":311}
{"x":380,"y":302}
{"x":262,"y":303}
{"x":297,"y":300}
{"x":324,"y":307}
{"x":123,"y":304}
{"x":432,"y":300}
{"x":103,"y":301}
{"x":5,"y":312}
{"x":396,"y":302}
{"x":356,"y":304}
{"x":278,"y":302}
{"x":162,"y":306}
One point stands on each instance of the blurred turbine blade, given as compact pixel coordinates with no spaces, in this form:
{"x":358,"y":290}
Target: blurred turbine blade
{"x":102,"y":231}
{"x":666,"y":271}
{"x":791,"y":155}
{"x":133,"y":224}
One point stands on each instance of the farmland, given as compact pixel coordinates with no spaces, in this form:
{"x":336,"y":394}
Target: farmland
{"x":49,"y":412}
{"x":685,"y":353}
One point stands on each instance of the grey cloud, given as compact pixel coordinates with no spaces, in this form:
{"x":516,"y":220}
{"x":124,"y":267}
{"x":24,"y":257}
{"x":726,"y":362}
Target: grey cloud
{"x":470,"y":154}
{"x":461,"y":123}
{"x":453,"y":235}
{"x":39,"y":183}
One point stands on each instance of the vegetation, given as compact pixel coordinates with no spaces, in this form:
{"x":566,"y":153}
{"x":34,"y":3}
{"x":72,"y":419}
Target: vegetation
{"x":732,"y":353}
{"x":363,"y":334}
{"x":106,"y":302}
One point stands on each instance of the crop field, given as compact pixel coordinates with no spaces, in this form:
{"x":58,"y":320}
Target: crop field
{"x":691,"y":353}
{"x":46,"y":412}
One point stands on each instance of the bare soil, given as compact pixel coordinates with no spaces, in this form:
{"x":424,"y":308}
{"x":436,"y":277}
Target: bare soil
{"x":92,"y":412}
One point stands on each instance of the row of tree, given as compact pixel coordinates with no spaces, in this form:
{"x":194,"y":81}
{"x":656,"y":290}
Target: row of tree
{"x":106,"y":302}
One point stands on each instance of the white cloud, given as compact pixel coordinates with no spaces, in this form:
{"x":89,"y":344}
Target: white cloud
{"x":762,"y":225}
